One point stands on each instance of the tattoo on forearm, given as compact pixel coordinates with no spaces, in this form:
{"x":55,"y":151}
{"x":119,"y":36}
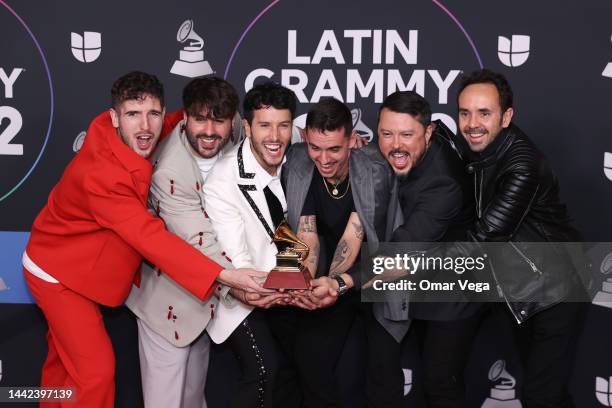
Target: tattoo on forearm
{"x":308,"y":223}
{"x":343,"y":251}
{"x":358,"y":230}
{"x":313,"y":259}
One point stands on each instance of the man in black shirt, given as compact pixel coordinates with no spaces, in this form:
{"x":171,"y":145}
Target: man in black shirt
{"x":337,"y":198}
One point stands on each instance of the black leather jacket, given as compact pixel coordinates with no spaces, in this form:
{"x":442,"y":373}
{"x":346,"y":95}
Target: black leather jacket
{"x":517,"y":201}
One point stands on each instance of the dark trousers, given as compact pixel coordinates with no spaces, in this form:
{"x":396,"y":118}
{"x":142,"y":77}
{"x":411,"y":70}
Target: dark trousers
{"x":283,"y":322}
{"x":320,"y":342}
{"x":547,"y":346}
{"x":384,"y":377}
{"x":315,"y":340}
{"x":444,"y":348}
{"x":259,"y":357}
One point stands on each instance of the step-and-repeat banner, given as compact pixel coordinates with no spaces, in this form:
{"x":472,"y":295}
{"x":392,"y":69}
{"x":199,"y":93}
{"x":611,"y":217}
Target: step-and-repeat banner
{"x":58,"y":60}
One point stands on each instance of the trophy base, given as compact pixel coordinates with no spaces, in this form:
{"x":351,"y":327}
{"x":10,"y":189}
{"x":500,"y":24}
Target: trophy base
{"x":603,"y":299}
{"x":495,"y":403}
{"x":288,"y":280}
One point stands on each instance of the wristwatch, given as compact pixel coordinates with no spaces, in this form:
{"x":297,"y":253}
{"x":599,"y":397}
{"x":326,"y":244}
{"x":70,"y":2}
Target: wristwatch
{"x":342,"y":288}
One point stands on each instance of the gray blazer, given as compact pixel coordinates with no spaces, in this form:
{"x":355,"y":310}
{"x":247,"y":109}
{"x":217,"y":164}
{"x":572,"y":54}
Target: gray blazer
{"x":375,"y":197}
{"x":371,"y":181}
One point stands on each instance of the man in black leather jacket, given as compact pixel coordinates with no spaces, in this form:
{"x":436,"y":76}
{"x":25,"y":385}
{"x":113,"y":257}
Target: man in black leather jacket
{"x":517,"y":201}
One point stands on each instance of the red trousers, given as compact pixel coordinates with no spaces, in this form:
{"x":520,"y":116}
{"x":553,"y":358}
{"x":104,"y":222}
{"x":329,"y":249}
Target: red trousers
{"x":80,"y":352}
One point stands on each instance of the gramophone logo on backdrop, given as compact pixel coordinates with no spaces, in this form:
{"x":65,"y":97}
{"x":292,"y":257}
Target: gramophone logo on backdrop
{"x":407,"y":380}
{"x":513,"y":53}
{"x":87,"y":47}
{"x":603,"y":391}
{"x":191,"y":61}
{"x":607,"y":72}
{"x":361,"y":128}
{"x":503,"y":394}
{"x":604,"y":296}
{"x":608,"y":163}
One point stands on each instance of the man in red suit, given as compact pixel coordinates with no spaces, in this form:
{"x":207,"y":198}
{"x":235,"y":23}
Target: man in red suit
{"x":89,"y":240}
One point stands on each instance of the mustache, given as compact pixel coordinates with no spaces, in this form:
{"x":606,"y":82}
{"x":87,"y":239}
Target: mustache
{"x":469,"y":131}
{"x":394,"y":151}
{"x":203,"y":135}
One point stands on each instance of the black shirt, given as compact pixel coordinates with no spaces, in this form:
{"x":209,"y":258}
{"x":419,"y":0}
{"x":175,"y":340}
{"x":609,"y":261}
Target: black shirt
{"x":332,"y":215}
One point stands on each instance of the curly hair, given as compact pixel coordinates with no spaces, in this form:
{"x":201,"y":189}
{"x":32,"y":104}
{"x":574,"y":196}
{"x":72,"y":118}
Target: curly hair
{"x":214,"y":95}
{"x":136,"y":85}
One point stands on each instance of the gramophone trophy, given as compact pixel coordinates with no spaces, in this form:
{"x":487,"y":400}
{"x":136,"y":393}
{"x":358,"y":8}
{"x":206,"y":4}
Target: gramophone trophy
{"x":289,"y":272}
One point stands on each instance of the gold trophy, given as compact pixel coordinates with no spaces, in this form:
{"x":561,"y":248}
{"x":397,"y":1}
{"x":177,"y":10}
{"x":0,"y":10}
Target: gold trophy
{"x":289,"y":272}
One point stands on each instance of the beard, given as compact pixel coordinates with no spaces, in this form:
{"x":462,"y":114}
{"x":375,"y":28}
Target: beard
{"x":193,"y":141}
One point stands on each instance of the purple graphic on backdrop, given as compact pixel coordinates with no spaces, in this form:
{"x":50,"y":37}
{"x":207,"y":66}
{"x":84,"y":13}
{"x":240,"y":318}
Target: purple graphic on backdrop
{"x":51,"y":98}
{"x":269,"y":6}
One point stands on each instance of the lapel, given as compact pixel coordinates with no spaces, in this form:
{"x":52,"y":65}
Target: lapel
{"x":253,"y":193}
{"x":298,"y":182}
{"x":362,"y":184}
{"x":394,"y":214}
{"x":195,"y":169}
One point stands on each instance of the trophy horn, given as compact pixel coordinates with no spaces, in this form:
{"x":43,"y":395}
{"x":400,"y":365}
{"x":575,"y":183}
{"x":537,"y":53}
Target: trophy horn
{"x":283,"y":233}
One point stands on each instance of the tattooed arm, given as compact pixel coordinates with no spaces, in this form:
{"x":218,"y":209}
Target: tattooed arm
{"x":348,"y":247}
{"x":324,"y":290}
{"x":307,"y":232}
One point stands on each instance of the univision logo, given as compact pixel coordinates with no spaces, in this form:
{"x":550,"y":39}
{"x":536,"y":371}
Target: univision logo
{"x":603,"y":391}
{"x":608,"y":165}
{"x":87,"y":47}
{"x":78,"y":141}
{"x":407,"y":380}
{"x":513,"y":53}
{"x":607,"y":72}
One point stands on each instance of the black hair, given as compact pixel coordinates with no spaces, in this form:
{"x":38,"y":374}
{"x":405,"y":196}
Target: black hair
{"x":330,"y":114}
{"x":215,"y":95}
{"x":485,"y":76}
{"x":268,"y":94}
{"x":408,"y":102}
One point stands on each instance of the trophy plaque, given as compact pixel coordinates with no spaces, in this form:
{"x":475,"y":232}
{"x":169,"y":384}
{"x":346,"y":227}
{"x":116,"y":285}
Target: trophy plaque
{"x":289,"y":272}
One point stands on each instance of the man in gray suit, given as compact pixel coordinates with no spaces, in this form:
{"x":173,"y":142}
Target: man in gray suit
{"x":174,"y":348}
{"x":337,"y":198}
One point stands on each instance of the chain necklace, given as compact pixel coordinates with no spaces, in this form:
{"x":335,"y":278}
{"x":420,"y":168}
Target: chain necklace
{"x":334,"y":193}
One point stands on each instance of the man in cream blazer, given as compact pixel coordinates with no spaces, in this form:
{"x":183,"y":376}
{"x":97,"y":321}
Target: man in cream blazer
{"x":174,"y":349}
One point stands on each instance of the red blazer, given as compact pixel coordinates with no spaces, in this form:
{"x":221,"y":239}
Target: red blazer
{"x":95,"y":229}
